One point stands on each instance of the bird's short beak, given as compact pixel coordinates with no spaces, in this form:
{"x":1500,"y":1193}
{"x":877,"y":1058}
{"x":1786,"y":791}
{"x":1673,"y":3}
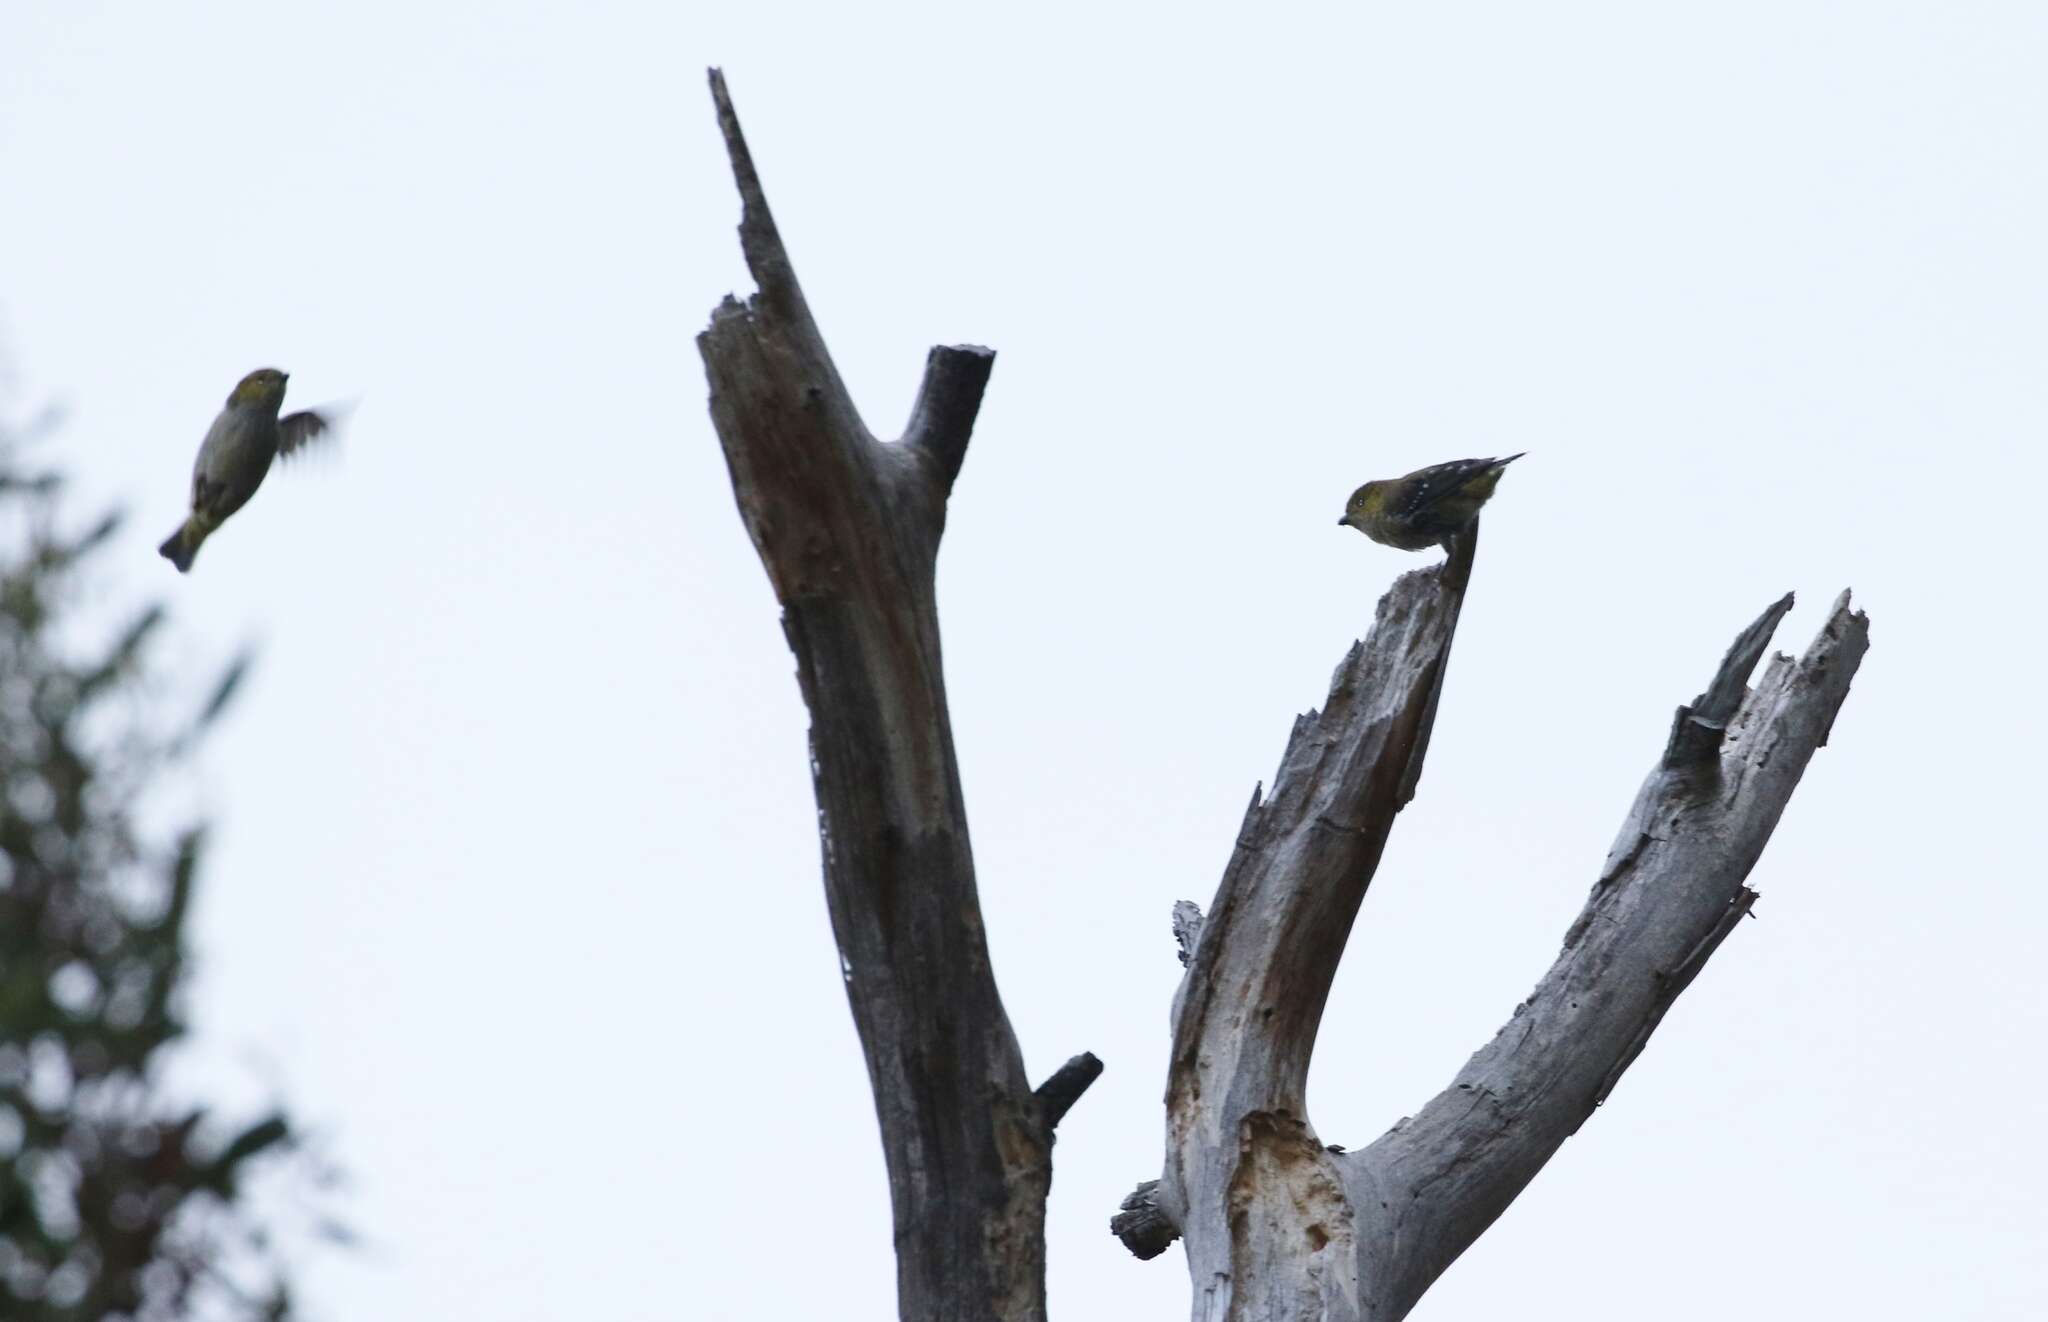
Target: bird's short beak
{"x":1344,"y":522}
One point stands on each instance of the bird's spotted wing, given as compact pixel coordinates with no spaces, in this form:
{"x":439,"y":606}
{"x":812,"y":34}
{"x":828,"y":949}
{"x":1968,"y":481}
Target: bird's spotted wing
{"x":296,"y":429}
{"x":1427,"y":487}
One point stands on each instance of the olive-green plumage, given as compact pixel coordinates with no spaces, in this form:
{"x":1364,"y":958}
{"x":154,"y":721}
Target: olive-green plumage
{"x":236,"y":454}
{"x":1423,"y":509}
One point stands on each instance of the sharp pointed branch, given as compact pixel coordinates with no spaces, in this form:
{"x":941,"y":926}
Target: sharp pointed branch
{"x":759,"y":239}
{"x":848,"y":530}
{"x":1697,"y":730}
{"x":775,"y":329}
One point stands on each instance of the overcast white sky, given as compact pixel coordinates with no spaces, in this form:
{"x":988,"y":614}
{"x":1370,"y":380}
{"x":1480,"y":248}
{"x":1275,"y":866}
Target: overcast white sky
{"x":515,"y":831}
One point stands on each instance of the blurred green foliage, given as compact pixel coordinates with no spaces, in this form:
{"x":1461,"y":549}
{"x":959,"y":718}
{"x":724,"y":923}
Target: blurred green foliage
{"x":116,"y":1200}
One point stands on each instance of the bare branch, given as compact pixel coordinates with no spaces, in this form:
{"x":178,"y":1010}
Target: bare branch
{"x":1306,"y":854}
{"x":848,"y":530}
{"x":1675,"y":982}
{"x":778,"y":312}
{"x":759,"y":239}
{"x":943,"y":418}
{"x":1057,"y":1095}
{"x":1144,"y":1228}
{"x":1246,"y":1015}
{"x":1697,"y":730}
{"x":1276,"y":1223}
{"x":1671,"y":891}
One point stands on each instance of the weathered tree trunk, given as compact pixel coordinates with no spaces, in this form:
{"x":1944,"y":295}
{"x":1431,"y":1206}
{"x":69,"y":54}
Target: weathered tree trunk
{"x":1277,"y":1226}
{"x":848,"y":529}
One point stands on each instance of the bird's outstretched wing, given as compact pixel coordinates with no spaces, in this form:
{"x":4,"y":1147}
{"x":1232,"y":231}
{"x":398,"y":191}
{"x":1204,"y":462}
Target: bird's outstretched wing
{"x":297,"y":429}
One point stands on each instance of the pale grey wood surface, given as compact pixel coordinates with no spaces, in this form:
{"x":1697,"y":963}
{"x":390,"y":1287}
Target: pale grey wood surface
{"x":1275,"y":1224}
{"x":1279,"y":1226}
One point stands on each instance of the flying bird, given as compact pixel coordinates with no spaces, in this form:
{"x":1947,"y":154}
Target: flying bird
{"x":1425,"y":508}
{"x":236,"y":454}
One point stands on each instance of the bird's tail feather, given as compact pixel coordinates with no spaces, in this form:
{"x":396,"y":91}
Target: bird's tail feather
{"x":182,"y":545}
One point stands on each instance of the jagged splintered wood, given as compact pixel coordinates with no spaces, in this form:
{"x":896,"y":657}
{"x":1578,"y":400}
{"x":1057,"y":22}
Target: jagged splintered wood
{"x":848,"y":529}
{"x":1276,"y":1225}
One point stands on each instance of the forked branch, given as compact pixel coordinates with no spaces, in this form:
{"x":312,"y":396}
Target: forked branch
{"x":848,"y":529}
{"x":1278,"y":1225}
{"x":1671,"y":890}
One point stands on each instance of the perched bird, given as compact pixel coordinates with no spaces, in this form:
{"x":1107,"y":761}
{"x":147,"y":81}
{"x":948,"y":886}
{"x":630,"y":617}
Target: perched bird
{"x":1423,"y":509}
{"x":236,"y":454}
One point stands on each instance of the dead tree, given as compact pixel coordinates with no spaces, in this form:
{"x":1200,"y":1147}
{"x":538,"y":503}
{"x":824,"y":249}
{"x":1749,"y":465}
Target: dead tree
{"x":1276,"y":1225}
